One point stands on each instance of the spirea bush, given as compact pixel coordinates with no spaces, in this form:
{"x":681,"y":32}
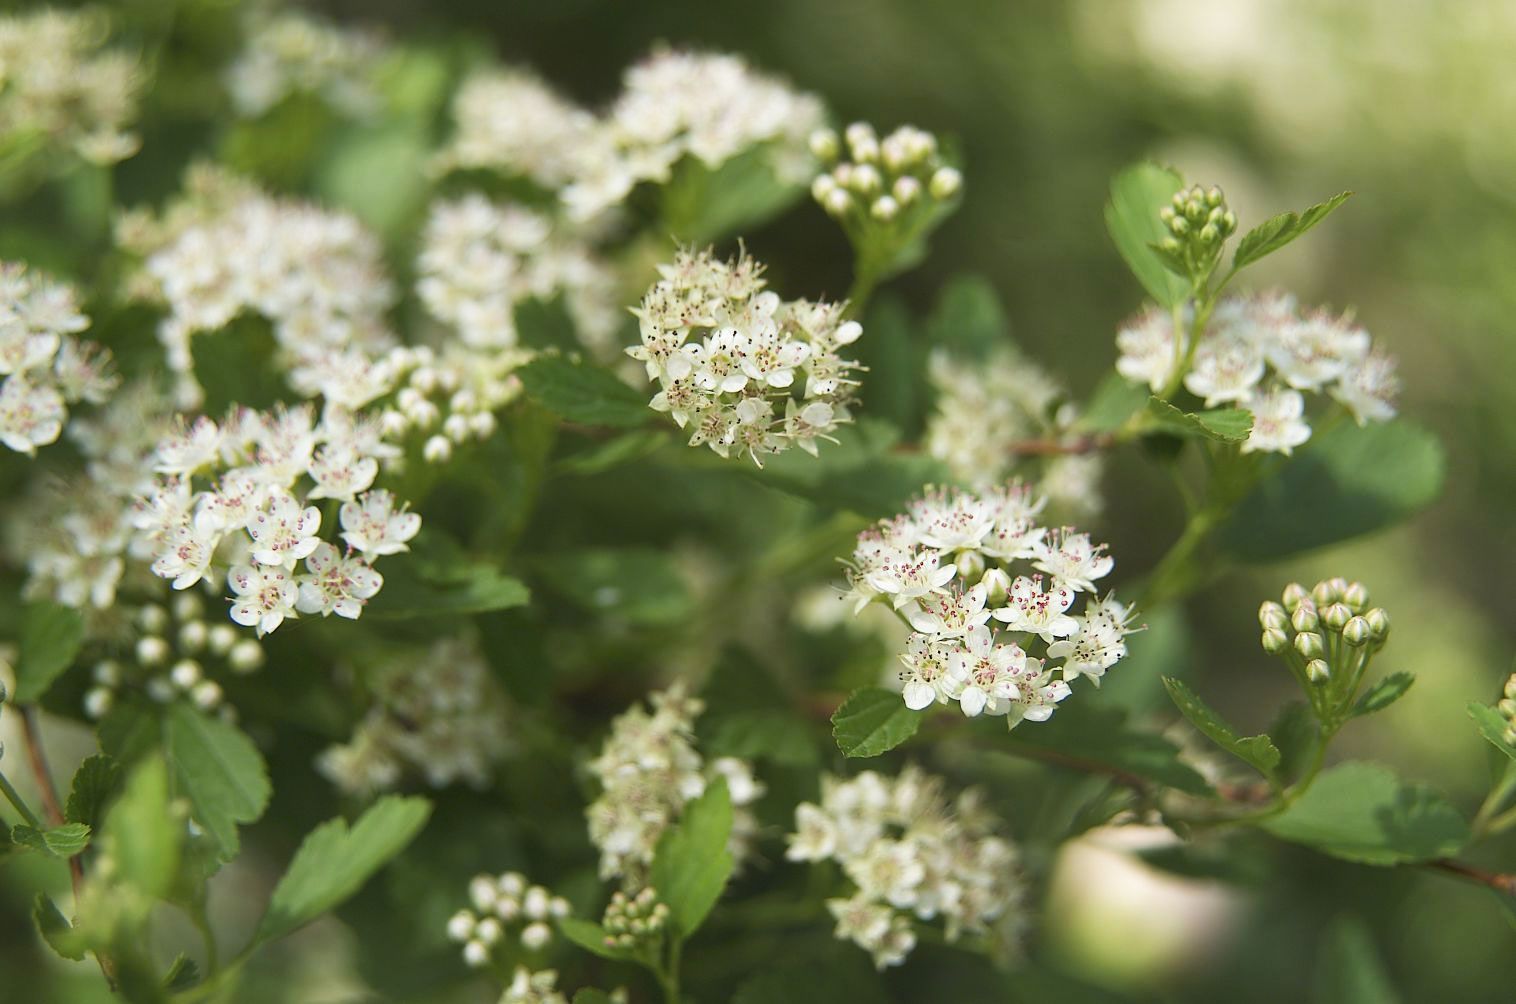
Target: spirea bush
{"x":445,"y":513}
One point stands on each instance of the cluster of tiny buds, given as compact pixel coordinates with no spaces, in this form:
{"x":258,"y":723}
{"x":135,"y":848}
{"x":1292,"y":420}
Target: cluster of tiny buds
{"x":888,"y":176}
{"x":501,"y":904}
{"x":1333,"y":607}
{"x":630,"y":920}
{"x":1198,"y":217}
{"x":171,"y":650}
{"x":465,"y":412}
{"x":1507,"y":708}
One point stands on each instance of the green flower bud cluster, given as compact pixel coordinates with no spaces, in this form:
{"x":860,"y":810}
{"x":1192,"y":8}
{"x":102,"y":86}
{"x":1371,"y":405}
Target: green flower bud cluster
{"x":1198,"y":222}
{"x":631,"y":921}
{"x":1327,"y":635}
{"x":1507,"y":707}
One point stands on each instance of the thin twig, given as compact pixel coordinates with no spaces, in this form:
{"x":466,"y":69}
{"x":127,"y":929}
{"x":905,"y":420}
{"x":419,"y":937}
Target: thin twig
{"x":1075,"y":446}
{"x":1501,"y":882}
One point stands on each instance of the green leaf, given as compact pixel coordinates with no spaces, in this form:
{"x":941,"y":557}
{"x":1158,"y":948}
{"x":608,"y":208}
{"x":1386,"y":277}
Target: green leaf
{"x":1382,"y":694}
{"x":1257,"y":751}
{"x":335,"y":861}
{"x":591,"y":937}
{"x":777,"y":736}
{"x":584,"y":393}
{"x":1137,"y":194}
{"x":1363,"y":812}
{"x":835,"y":977}
{"x":219,"y":770}
{"x":642,"y":586}
{"x":692,"y":862}
{"x":1294,"y":733}
{"x":859,"y":473}
{"x":94,"y":783}
{"x":1493,"y":726}
{"x":1277,"y":231}
{"x":613,"y":453}
{"x":182,"y":975}
{"x":1115,"y":400}
{"x":892,"y":354}
{"x":1095,"y":738}
{"x":702,"y":204}
{"x":591,"y":995}
{"x":472,"y":588}
{"x":1217,"y":864}
{"x":1347,"y":482}
{"x":58,"y":842}
{"x":144,"y":833}
{"x":51,"y":634}
{"x":56,"y":930}
{"x":968,"y":318}
{"x":873,"y":721}
{"x":1350,"y":970}
{"x":1225,"y":425}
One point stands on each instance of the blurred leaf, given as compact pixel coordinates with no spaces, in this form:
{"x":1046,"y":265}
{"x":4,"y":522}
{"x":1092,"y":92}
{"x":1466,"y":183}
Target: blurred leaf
{"x":968,"y":318}
{"x":57,"y":842}
{"x":584,"y":393}
{"x":590,"y":995}
{"x":1347,"y":482}
{"x":236,"y":365}
{"x":1257,"y":751}
{"x":1277,"y":231}
{"x":378,"y":173}
{"x":873,"y":721}
{"x":1227,"y":863}
{"x":181,"y":975}
{"x":777,"y":736}
{"x":94,"y":783}
{"x":144,"y":834}
{"x":51,"y":634}
{"x":279,"y":147}
{"x":701,"y":204}
{"x":219,"y":770}
{"x":1349,"y":969}
{"x":1098,"y":739}
{"x":1294,"y":734}
{"x":692,"y":862}
{"x":334,"y":861}
{"x":591,"y":937}
{"x":1114,"y":401}
{"x":1363,"y":812}
{"x":893,"y":359}
{"x":860,"y":473}
{"x":623,"y":449}
{"x":1137,"y":194}
{"x":1493,"y":726}
{"x":835,"y":978}
{"x":470,"y":588}
{"x":1224,"y":425}
{"x":642,"y":586}
{"x":546,"y":324}
{"x":1382,"y":694}
{"x":129,"y":731}
{"x":56,"y":930}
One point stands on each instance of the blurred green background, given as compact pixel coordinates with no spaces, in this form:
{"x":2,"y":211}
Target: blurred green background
{"x":1282,"y":103}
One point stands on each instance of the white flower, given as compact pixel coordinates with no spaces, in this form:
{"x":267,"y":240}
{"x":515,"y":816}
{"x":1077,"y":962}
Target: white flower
{"x":1316,"y":350}
{"x":1277,"y":423}
{"x":266,"y":595}
{"x":31,"y":415}
{"x":956,"y":521}
{"x":928,"y":677}
{"x":189,"y":448}
{"x":889,"y":870}
{"x":815,"y":836}
{"x":283,"y":532}
{"x":340,"y":472}
{"x":909,"y":575}
{"x":1369,"y":389}
{"x":1034,"y":611}
{"x":371,"y":524}
{"x":949,"y":614}
{"x":1073,"y":561}
{"x":987,"y":673}
{"x":1098,"y":644}
{"x":1226,"y":368}
{"x":336,"y":584}
{"x":1148,"y":353}
{"x":190,"y":547}
{"x":1040,"y":695}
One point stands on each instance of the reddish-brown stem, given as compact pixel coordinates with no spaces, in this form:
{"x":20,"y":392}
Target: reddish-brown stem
{"x":1501,"y":882}
{"x":1075,"y":446}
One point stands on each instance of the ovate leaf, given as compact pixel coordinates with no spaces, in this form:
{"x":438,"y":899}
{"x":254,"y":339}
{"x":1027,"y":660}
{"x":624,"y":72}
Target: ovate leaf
{"x":641,"y":586}
{"x":57,"y":842}
{"x":1257,"y":751}
{"x":335,"y":860}
{"x":51,"y":634}
{"x":469,"y":589}
{"x":692,"y":862}
{"x":1115,"y":400}
{"x":584,"y":393}
{"x":968,"y":318}
{"x":1277,"y":231}
{"x":1383,"y":694}
{"x":182,"y":975}
{"x":1094,"y":739}
{"x":217,"y":767}
{"x":144,"y":832}
{"x":1224,"y":425}
{"x":1493,"y":726}
{"x":1363,"y":812}
{"x":94,"y":783}
{"x":592,"y":938}
{"x":56,"y":930}
{"x":873,"y":721}
{"x":1137,"y":194}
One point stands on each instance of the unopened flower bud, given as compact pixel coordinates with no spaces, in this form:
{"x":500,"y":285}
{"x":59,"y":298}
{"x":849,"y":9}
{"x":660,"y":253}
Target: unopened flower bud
{"x":824,"y":144}
{"x":865,"y":179}
{"x":1214,"y":196}
{"x":1324,"y":593}
{"x":945,"y":182}
{"x":1179,"y":226}
{"x":535,"y":936}
{"x":1166,"y":214}
{"x":192,"y":636}
{"x":153,"y":619}
{"x":98,"y":702}
{"x":1209,"y":233}
{"x":1275,"y":641}
{"x":107,"y":673}
{"x":1356,"y":631}
{"x":206,"y":695}
{"x":1356,"y":595}
{"x":152,"y":650}
{"x":1309,"y":645}
{"x":437,"y":449}
{"x":1317,"y":671}
{"x":823,"y":186}
{"x":482,"y":424}
{"x":907,"y":189}
{"x":185,"y":674}
{"x":970,"y":566}
{"x":488,"y":930}
{"x":1272,"y":615}
{"x":1379,"y":623}
{"x":1507,"y":707}
{"x":482,"y":893}
{"x":245,"y":656}
{"x":1510,"y":687}
{"x":885,"y":208}
{"x":1304,"y":617}
{"x":221,"y":639}
{"x":476,"y":954}
{"x":839,"y":202}
{"x":460,"y":926}
{"x":1336,"y":616}
{"x":1293,"y":594}
{"x":997,"y":581}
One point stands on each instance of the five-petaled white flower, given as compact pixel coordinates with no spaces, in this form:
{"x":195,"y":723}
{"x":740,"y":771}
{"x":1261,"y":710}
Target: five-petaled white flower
{"x":1031,"y":609}
{"x":283,"y":533}
{"x":372,"y":524}
{"x":337,"y":584}
{"x":265,"y":596}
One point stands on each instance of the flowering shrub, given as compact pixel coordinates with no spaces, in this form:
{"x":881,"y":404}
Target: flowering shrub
{"x":585,"y":723}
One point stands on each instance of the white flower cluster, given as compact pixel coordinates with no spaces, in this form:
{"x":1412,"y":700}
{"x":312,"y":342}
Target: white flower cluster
{"x":648,"y":769}
{"x":317,"y":276}
{"x":512,"y":121}
{"x":1259,"y":353}
{"x":945,"y":566}
{"x":173,"y":652}
{"x":481,"y":259}
{"x":910,"y":850}
{"x":505,"y":905}
{"x":708,"y":106}
{"x":44,"y":367}
{"x":528,"y":987}
{"x":726,"y":352}
{"x":440,"y":715}
{"x":58,"y":84}
{"x":248,"y":507}
{"x":984,"y":407}
{"x":294,"y":53}
{"x":899,"y":179}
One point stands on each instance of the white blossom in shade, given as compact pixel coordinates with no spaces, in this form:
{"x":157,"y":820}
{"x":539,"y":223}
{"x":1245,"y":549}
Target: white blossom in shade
{"x":949,"y":614}
{"x":1317,"y":349}
{"x":1072,"y":560}
{"x":336,"y":584}
{"x":1037,"y":611}
{"x":189,"y":447}
{"x":284,"y":532}
{"x":987,"y":673}
{"x":292,"y":52}
{"x":1148,"y":352}
{"x":906,"y":576}
{"x":31,"y":415}
{"x":1278,"y":421}
{"x":953,"y":521}
{"x":510,"y":121}
{"x":1368,"y":389}
{"x":373,"y":525}
{"x":341,"y":472}
{"x":1040,"y":694}
{"x":1098,"y":644}
{"x":265,"y":596}
{"x":928,"y":678}
{"x":528,"y":987}
{"x":1226,"y":368}
{"x":913,"y":855}
{"x":190,"y":547}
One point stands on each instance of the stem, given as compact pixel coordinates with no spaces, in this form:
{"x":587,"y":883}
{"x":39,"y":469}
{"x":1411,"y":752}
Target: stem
{"x":1501,"y":883}
{"x":1091,"y":443}
{"x":202,"y":923}
{"x":865,"y":279}
{"x":1168,"y":578}
{"x":38,"y":759}
{"x":14,"y":797}
{"x":1494,"y":800}
{"x":668,"y":976}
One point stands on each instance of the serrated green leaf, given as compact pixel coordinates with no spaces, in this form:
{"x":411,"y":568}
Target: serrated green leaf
{"x":56,"y":930}
{"x":1224,"y":425}
{"x":58,"y":841}
{"x":584,"y":393}
{"x":1347,"y":482}
{"x":1095,"y":738}
{"x":51,"y":634}
{"x":1258,"y":752}
{"x":873,"y":721}
{"x":592,"y":938}
{"x":1277,"y":231}
{"x":1493,"y":726}
{"x":335,"y":860}
{"x":1363,"y":812}
{"x":702,"y":203}
{"x":692,"y":862}
{"x":219,"y":770}
{"x":143,"y":833}
{"x":94,"y":783}
{"x":1137,"y":194}
{"x":641,"y":586}
{"x":1382,"y":694}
